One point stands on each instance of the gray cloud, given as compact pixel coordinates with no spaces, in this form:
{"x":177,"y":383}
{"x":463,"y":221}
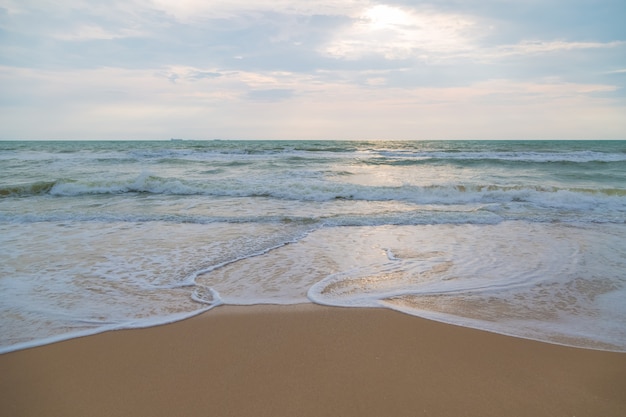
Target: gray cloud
{"x":270,"y":95}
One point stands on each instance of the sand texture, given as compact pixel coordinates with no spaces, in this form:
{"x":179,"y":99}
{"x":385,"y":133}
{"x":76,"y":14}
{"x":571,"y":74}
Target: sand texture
{"x":310,"y":361}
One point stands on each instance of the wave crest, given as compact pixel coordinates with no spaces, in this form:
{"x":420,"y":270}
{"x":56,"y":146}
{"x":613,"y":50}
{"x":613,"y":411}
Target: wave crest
{"x":36,"y":188}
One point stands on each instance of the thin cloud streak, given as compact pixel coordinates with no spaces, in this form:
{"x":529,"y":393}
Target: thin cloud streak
{"x":541,"y":47}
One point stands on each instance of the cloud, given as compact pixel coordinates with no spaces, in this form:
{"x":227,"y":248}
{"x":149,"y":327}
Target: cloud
{"x":195,"y":10}
{"x":397,"y":33}
{"x":270,"y":95}
{"x":544,"y":47}
{"x":142,"y":104}
{"x":90,"y":32}
{"x":324,"y":69}
{"x":199,"y":75}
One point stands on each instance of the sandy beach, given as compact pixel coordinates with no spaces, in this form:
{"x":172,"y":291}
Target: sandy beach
{"x":309,"y":360}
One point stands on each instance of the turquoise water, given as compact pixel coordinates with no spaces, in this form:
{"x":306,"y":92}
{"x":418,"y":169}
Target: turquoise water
{"x":525,"y":238}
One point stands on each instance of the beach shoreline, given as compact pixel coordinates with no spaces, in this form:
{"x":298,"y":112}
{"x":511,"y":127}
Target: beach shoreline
{"x":309,"y":360}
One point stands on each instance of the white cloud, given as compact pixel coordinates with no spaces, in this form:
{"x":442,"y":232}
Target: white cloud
{"x":397,"y":33}
{"x":143,"y":104}
{"x":543,"y":47}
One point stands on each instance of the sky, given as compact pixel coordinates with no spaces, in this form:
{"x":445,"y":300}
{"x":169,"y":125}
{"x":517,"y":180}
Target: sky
{"x":323,"y":69}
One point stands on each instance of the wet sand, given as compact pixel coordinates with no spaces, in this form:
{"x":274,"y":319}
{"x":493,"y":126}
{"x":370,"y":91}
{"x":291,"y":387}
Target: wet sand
{"x":309,"y":361}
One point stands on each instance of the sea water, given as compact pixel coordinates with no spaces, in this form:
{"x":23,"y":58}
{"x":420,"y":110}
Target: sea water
{"x":524,"y":238}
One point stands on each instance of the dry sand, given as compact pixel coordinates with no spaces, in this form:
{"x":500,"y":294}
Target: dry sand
{"x":310,"y":361}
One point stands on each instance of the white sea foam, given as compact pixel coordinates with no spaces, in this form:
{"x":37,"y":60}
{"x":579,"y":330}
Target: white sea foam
{"x":520,"y":156}
{"x":513,"y":237}
{"x":322,"y":190}
{"x":83,"y":278}
{"x":100,"y":328}
{"x":545,"y":282}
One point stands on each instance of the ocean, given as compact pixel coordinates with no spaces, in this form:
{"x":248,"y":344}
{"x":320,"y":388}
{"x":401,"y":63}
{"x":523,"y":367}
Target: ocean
{"x":523,"y":238}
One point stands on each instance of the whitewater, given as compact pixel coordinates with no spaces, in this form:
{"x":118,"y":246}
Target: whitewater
{"x":524,"y":238}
